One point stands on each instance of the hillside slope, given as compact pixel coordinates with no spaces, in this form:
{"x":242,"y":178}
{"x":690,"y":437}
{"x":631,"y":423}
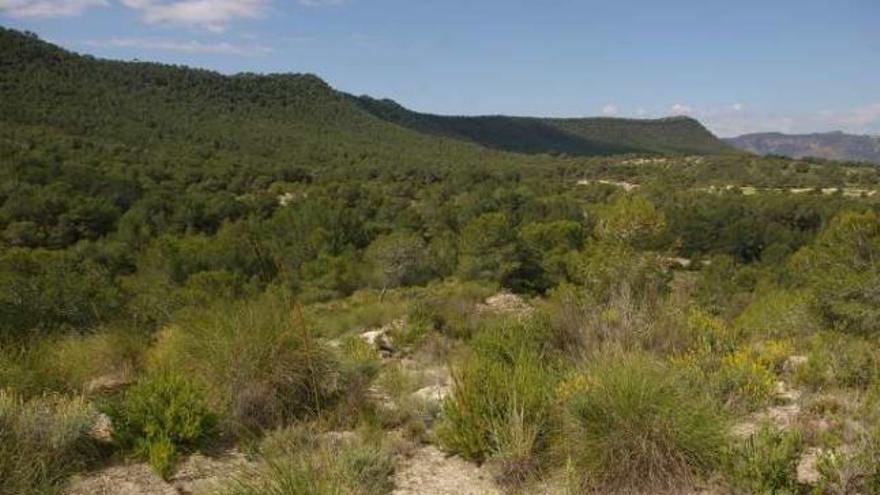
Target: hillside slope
{"x":575,"y":136}
{"x":831,"y":145}
{"x":190,"y":116}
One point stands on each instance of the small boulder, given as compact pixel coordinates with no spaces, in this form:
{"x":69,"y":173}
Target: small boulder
{"x":102,"y":429}
{"x":807,"y":469}
{"x":432,"y":394}
{"x":794,"y":362}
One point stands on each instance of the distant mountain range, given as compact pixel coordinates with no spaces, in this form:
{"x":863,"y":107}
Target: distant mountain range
{"x":830,"y":145}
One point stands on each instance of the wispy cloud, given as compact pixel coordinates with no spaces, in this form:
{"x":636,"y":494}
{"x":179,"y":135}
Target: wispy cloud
{"x":48,"y":8}
{"x":321,"y":3}
{"x":738,"y":118}
{"x":610,"y":110}
{"x":212,"y":15}
{"x":186,"y":46}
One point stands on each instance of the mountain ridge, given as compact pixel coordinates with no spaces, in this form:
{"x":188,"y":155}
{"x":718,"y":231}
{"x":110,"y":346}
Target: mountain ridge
{"x":571,"y":135}
{"x":85,"y":94}
{"x":834,"y":145}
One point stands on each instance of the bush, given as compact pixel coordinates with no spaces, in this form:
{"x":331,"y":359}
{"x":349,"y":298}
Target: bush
{"x":77,"y":359}
{"x":778,"y":314}
{"x":160,"y":417}
{"x":840,"y":267}
{"x":449,"y":308}
{"x":743,"y":381}
{"x":606,"y":269}
{"x":766,"y":462}
{"x":42,"y":441}
{"x":634,"y":425}
{"x":259,"y":360}
{"x":300,"y":462}
{"x":505,"y":373}
{"x":839,"y":360}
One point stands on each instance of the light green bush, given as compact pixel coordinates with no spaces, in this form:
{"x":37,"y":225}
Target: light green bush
{"x":161,"y":416}
{"x":778,"y":314}
{"x":766,"y":462}
{"x":506,"y":372}
{"x":259,"y":359}
{"x":42,"y":442}
{"x":837,"y":359}
{"x":77,"y":359}
{"x":633,"y":423}
{"x":300,"y":462}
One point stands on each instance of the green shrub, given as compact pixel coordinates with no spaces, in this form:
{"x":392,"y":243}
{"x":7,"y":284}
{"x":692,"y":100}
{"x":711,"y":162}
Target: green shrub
{"x":259,"y":360}
{"x":161,"y":416}
{"x":839,"y":360}
{"x":450,"y":309}
{"x":300,"y":462}
{"x":606,"y":268}
{"x":840,"y":267}
{"x":765,"y":463}
{"x":66,"y":364}
{"x":77,"y":359}
{"x":42,"y":442}
{"x":634,"y":424}
{"x":506,"y":372}
{"x":778,"y":314}
{"x":162,"y":455}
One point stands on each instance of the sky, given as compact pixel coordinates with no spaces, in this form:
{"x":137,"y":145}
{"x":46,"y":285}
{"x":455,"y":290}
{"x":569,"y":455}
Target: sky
{"x":739,"y":66}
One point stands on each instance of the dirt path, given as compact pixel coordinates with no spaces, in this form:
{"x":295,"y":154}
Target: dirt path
{"x":197,"y":474}
{"x":431,"y":472}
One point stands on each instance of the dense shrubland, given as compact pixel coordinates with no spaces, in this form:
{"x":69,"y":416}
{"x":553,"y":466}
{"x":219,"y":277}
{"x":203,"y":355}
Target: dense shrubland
{"x":200,"y":273}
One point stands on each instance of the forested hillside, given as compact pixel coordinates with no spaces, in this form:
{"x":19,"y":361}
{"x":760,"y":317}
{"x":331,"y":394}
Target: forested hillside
{"x":579,"y":136}
{"x":256,"y":282}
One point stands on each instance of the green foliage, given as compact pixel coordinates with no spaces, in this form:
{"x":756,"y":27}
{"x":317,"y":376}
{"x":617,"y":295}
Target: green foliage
{"x":606,"y":269}
{"x":585,"y":136}
{"x":161,"y":416}
{"x":42,"y":442}
{"x":841,"y":267}
{"x":766,"y":463}
{"x":259,"y":359}
{"x":397,"y":259}
{"x":506,"y":373}
{"x":547,"y":246}
{"x":724,"y":286}
{"x":634,"y":423}
{"x":41,"y":289}
{"x":487,"y":249}
{"x":632,"y":219}
{"x":778,"y":313}
{"x":298,"y":462}
{"x":839,"y":360}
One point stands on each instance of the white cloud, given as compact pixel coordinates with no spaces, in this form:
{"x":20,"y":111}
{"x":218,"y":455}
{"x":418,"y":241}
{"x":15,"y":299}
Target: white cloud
{"x":609,"y":110}
{"x":187,"y":46}
{"x":321,"y":3}
{"x":47,"y":8}
{"x":681,"y":109}
{"x":212,"y":15}
{"x":738,"y":118}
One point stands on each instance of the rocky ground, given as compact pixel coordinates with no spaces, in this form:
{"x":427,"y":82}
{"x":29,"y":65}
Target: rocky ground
{"x":423,"y":469}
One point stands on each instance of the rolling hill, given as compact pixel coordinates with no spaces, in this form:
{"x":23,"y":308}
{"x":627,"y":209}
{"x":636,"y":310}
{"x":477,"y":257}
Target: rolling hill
{"x":289,"y":117}
{"x":830,"y":145}
{"x":573,"y":136}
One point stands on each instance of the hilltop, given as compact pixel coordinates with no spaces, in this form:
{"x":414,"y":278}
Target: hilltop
{"x":281,"y":116}
{"x":573,"y":136}
{"x":831,"y":145}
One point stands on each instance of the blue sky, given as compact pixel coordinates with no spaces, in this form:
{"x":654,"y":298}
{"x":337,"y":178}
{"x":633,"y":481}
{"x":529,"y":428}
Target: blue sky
{"x":737,"y":65}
